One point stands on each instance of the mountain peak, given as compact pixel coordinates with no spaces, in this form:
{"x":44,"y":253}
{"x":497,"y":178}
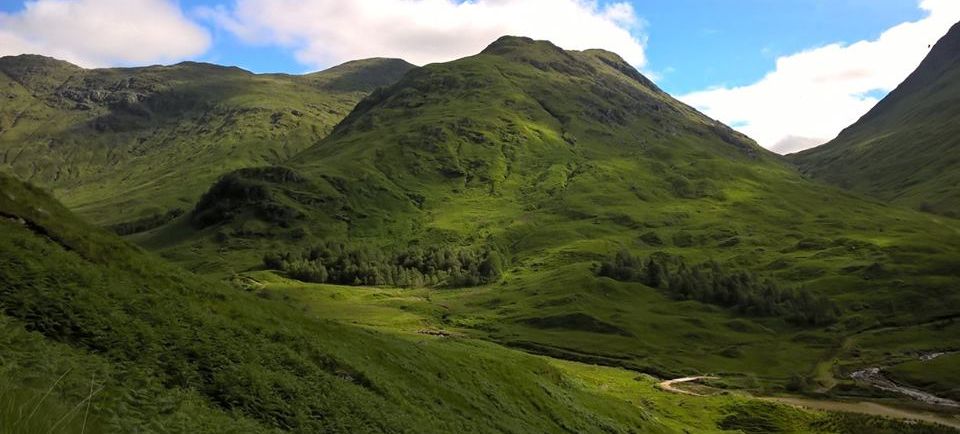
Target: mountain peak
{"x":206,"y":66}
{"x":943,"y":56}
{"x":35,"y":61}
{"x":361,"y":75}
{"x":38,"y":73}
{"x":511,"y":44}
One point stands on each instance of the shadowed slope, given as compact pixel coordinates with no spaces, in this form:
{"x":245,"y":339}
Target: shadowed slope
{"x":907,"y":148}
{"x":123,"y":144}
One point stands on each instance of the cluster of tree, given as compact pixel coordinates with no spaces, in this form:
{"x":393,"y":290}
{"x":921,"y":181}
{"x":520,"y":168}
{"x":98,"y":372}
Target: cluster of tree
{"x":709,"y":282}
{"x":334,"y":262}
{"x":251,"y":190}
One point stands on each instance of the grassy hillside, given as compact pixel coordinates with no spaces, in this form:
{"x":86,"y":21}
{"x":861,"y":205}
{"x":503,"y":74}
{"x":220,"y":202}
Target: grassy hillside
{"x":165,"y":348}
{"x":556,"y":160}
{"x":99,"y":336}
{"x":138,"y":145}
{"x":906,"y":149}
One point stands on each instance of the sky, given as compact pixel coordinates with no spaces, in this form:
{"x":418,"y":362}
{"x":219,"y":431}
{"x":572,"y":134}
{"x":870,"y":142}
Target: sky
{"x":789,"y":73}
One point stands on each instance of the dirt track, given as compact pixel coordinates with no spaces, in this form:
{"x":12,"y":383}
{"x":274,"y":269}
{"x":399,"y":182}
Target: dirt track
{"x":668,"y":384}
{"x":870,"y":408}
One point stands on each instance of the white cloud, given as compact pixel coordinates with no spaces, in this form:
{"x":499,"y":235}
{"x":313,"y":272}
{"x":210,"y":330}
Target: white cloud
{"x":814,"y":94}
{"x":325,"y":32}
{"x":94,"y":33}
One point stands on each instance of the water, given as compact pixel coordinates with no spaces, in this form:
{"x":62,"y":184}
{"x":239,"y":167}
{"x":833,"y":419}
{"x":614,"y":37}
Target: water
{"x":875,"y":377}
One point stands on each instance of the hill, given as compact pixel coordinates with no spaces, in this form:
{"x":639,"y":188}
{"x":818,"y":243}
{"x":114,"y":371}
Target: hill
{"x":134,"y":147}
{"x":100,"y":336}
{"x":906,"y":149}
{"x":507,"y":182}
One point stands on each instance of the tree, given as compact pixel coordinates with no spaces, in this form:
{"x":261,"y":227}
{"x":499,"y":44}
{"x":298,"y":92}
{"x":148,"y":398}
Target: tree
{"x":655,"y":274}
{"x":491,"y":267}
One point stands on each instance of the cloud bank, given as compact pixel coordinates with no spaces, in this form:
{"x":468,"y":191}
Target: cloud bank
{"x":94,"y":33}
{"x":813,"y":94}
{"x":326,"y":32}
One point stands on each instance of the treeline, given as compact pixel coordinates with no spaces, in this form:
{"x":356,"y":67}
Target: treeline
{"x":709,"y":282}
{"x":340,"y":263}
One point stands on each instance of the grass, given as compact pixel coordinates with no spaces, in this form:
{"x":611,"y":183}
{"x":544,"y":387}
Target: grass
{"x":147,"y":141}
{"x":939,"y":375}
{"x":532,"y":149}
{"x":25,"y":411}
{"x":558,"y":159}
{"x":195,"y":356}
{"x":415,"y":312}
{"x":903,"y":149}
{"x":167,"y":350}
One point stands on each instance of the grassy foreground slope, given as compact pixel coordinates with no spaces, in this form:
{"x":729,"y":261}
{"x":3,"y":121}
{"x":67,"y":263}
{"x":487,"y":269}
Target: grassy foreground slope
{"x":907,"y":148}
{"x":135,"y":145}
{"x":558,"y":159}
{"x":99,"y":336}
{"x":160,"y":348}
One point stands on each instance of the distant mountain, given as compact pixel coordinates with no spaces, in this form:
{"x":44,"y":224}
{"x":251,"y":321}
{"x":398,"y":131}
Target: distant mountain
{"x":138,"y":145}
{"x":556,"y":160}
{"x":907,"y":148}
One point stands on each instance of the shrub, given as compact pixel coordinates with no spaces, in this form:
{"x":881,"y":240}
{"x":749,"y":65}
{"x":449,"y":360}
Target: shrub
{"x":333,"y":262}
{"x":709,"y":282}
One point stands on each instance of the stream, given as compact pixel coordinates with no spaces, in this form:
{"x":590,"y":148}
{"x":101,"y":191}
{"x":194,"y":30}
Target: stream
{"x":875,"y":378}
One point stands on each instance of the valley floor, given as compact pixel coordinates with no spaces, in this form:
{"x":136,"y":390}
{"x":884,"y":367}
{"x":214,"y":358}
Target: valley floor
{"x":702,"y":402}
{"x":868,"y":407}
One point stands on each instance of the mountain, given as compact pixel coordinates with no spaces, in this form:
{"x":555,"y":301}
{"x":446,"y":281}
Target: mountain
{"x":133,"y":147}
{"x":906,"y":149}
{"x":559,"y":202}
{"x":516,"y":241}
{"x":100,"y":336}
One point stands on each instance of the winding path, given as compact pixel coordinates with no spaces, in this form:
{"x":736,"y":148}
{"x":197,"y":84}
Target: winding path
{"x":866,"y":407}
{"x":863,"y":407}
{"x":668,"y":384}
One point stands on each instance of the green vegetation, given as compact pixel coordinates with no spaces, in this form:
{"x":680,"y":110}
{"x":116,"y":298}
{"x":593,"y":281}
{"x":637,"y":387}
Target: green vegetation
{"x":710,"y":283}
{"x":247,"y":191}
{"x":123,"y":145}
{"x":907,"y":148}
{"x":98,"y":335}
{"x":939,"y":376}
{"x":146,"y":223}
{"x":332,"y":262}
{"x":561,"y":159}
{"x":763,"y":417}
{"x":489,"y":189}
{"x":26,"y":412}
{"x":200,"y":357}
{"x":140,"y":345}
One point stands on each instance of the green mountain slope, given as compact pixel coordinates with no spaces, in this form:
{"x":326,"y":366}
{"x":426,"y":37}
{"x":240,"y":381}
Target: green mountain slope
{"x":138,"y":145}
{"x":99,"y":336}
{"x":556,"y":160}
{"x":907,"y":148}
{"x":168,"y":350}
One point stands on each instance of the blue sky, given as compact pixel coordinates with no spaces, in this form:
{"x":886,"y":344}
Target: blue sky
{"x":695,"y":44}
{"x":692,"y":44}
{"x":741,"y":61}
